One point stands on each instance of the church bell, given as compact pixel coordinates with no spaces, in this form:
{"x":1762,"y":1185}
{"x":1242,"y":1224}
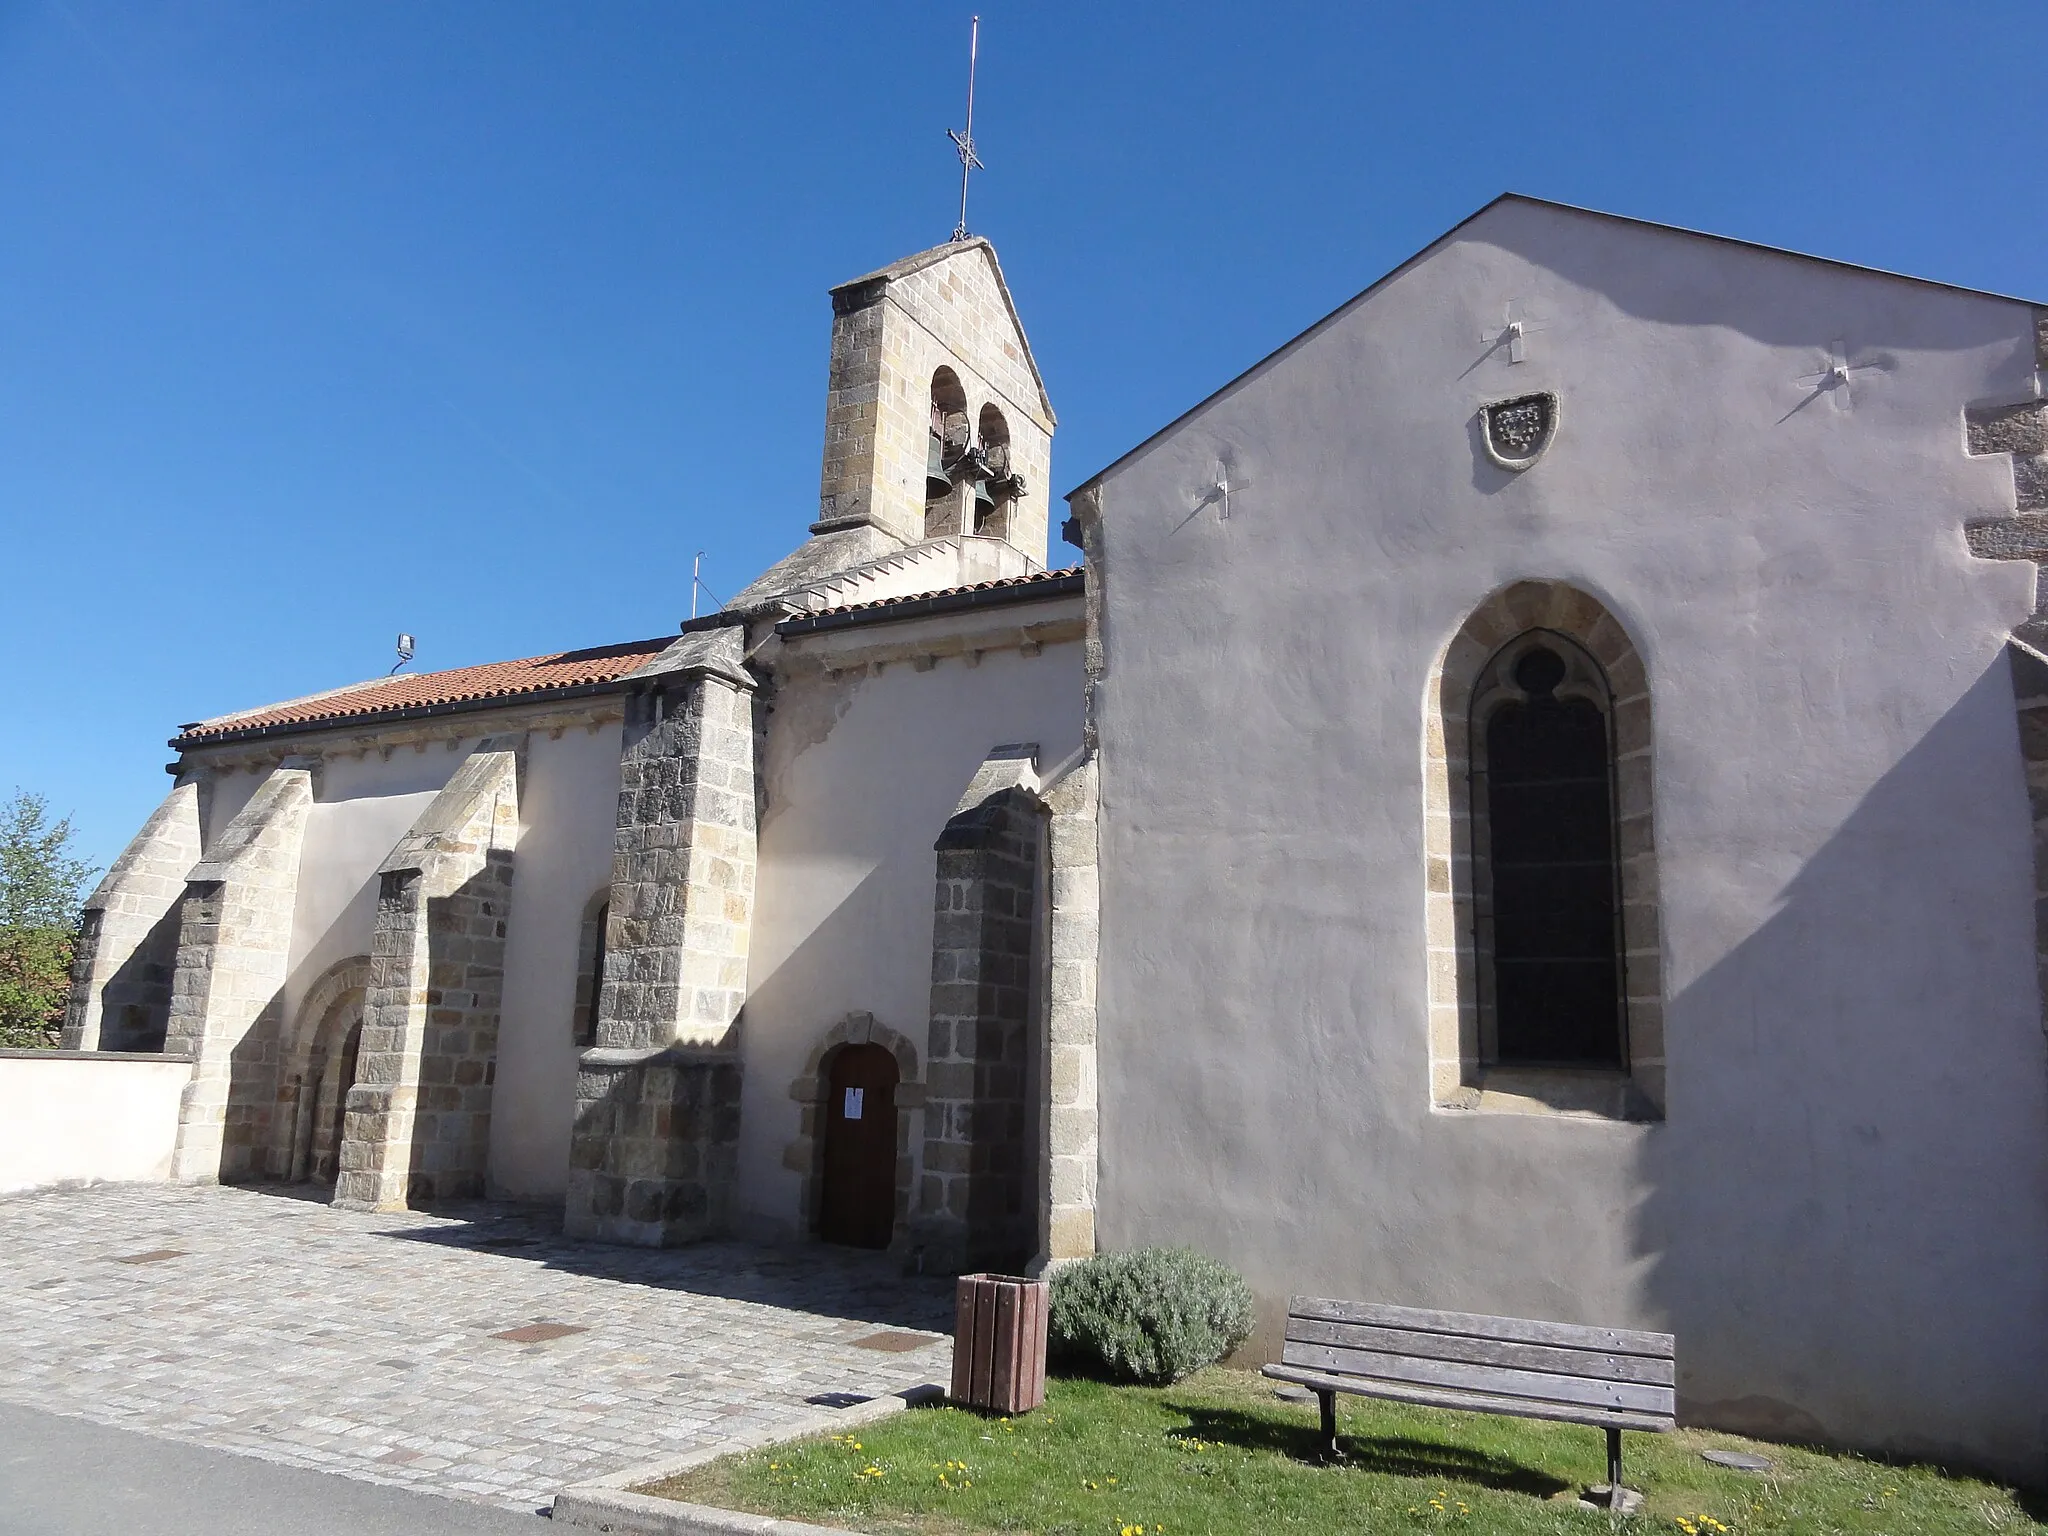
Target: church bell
{"x":936,"y":482}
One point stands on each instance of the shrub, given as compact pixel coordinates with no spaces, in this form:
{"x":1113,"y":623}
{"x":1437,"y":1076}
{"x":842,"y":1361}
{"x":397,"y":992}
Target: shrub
{"x":1152,"y":1316}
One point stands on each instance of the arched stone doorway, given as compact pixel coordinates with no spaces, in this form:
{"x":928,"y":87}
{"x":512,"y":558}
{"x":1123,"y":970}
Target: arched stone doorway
{"x":338,"y":1075}
{"x":321,"y":1070}
{"x":857,"y":1203}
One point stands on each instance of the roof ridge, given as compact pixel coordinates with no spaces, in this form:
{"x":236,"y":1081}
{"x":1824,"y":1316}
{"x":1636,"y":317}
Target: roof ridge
{"x":548,"y":673}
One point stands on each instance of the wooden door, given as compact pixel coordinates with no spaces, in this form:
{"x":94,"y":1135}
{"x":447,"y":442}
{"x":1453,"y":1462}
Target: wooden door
{"x":858,"y":1204}
{"x":344,"y":1071}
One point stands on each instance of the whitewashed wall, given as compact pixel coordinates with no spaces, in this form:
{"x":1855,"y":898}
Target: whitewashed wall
{"x":1844,"y":1215}
{"x":361,"y":807}
{"x":567,"y":806}
{"x":569,"y":797}
{"x":862,"y":774}
{"x":87,"y":1116}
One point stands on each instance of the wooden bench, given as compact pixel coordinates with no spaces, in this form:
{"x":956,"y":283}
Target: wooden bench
{"x":1611,"y":1378}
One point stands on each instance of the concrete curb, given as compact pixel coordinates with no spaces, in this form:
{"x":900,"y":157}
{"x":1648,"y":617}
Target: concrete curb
{"x":609,"y":1504}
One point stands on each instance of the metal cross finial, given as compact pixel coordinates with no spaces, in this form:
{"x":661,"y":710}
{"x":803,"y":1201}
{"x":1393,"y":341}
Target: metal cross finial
{"x":964,"y":142}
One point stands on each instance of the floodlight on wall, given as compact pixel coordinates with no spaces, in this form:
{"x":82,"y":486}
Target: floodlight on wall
{"x":404,"y":653}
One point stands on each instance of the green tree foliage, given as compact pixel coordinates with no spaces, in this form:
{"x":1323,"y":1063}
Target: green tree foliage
{"x":41,"y":888}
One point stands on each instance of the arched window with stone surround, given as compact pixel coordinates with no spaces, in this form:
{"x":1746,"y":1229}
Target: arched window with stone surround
{"x":1544,"y":966}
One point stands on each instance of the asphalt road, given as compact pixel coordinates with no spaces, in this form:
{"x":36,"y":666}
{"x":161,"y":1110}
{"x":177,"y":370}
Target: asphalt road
{"x":68,"y":1477}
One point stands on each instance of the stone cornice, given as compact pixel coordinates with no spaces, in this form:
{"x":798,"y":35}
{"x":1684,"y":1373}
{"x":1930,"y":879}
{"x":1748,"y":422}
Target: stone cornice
{"x":360,"y":736}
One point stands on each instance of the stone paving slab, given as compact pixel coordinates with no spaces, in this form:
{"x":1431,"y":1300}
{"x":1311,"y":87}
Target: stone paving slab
{"x":275,"y":1326}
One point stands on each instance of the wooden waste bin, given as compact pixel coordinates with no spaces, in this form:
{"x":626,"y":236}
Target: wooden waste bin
{"x":999,"y":1343}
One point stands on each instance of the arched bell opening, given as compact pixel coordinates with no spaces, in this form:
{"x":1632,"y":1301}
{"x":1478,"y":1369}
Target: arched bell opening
{"x":948,"y":449}
{"x":995,"y":497}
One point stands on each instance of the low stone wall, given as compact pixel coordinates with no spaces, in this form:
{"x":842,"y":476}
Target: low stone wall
{"x":87,"y":1116}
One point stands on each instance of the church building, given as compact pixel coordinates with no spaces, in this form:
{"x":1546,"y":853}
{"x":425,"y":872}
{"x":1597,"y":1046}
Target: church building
{"x":1534,"y":803}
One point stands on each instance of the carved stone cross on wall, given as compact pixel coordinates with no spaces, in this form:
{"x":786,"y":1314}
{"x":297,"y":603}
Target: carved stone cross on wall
{"x":1833,"y":377}
{"x":1516,"y":327}
{"x":1229,"y":481}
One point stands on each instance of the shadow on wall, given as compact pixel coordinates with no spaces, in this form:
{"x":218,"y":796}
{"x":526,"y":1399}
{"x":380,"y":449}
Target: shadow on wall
{"x":1846,"y":1211}
{"x":795,"y":1006}
{"x":449,"y":1137}
{"x":135,"y":1002}
{"x":1700,"y":280}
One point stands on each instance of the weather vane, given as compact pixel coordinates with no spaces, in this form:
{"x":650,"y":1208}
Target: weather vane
{"x":964,"y":142}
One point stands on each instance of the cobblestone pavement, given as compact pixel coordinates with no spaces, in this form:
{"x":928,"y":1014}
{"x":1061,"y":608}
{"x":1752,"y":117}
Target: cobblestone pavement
{"x":371,"y":1345}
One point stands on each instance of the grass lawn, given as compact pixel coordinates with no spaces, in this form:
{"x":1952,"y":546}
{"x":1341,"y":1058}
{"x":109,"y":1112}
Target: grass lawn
{"x":1219,"y":1454}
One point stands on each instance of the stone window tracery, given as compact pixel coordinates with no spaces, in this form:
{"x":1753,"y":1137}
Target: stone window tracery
{"x":1545,"y":887}
{"x":1544,"y":956}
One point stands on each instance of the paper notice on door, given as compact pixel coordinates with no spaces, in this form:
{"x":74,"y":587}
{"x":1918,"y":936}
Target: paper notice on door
{"x":853,"y":1098}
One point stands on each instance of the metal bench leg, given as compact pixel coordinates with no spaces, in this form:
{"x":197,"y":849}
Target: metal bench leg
{"x":1614,"y":1466}
{"x":1328,"y":1401}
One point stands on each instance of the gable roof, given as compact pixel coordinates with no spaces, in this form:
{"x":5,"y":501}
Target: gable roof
{"x":906,"y":266}
{"x":532,"y":677}
{"x":1457,"y":229}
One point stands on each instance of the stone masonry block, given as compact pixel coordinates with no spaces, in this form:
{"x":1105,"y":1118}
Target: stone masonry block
{"x":2019,"y":429}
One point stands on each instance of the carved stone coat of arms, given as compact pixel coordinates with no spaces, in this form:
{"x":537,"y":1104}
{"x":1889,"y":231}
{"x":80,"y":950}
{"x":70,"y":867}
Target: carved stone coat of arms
{"x":1517,"y":431}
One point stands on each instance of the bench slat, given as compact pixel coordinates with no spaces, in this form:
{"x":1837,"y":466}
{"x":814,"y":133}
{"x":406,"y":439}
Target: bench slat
{"x":1472,"y":1402}
{"x":1496,"y":1380}
{"x":1513,"y":1330}
{"x":1600,"y":1366}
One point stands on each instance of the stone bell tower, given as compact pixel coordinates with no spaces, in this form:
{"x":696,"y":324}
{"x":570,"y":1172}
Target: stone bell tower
{"x":936,"y":419}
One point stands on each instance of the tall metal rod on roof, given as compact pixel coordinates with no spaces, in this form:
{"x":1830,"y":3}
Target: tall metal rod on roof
{"x":964,"y":142}
{"x":697,"y":586}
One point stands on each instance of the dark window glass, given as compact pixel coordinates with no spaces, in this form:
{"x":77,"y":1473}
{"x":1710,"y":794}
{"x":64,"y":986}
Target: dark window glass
{"x":1550,"y":828}
{"x":596,"y":976}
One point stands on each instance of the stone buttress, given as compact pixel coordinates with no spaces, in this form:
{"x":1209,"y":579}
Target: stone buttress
{"x":417,"y":1124}
{"x":127,"y":954}
{"x":976,"y":1204}
{"x":234,"y":944}
{"x":654,"y":1155}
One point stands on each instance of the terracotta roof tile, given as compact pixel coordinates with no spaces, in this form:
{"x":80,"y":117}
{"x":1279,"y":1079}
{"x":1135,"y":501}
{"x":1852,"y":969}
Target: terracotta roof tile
{"x":535,"y":675}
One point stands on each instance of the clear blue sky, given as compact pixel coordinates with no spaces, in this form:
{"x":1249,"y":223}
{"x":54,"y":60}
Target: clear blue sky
{"x":477,"y":318}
